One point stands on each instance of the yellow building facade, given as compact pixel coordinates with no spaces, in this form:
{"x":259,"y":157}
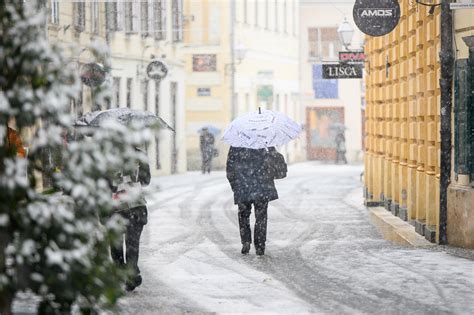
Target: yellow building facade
{"x":403,"y":120}
{"x":240,"y":55}
{"x":402,"y":162}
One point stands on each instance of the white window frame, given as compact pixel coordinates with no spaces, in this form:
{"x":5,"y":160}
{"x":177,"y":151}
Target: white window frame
{"x":95,"y":16}
{"x":54,"y":18}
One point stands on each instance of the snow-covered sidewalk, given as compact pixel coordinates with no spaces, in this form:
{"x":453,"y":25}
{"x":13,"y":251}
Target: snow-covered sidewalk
{"x":323,"y":255}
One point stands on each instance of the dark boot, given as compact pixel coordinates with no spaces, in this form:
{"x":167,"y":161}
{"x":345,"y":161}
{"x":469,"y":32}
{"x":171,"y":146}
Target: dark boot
{"x":260,"y":251}
{"x":132,"y":284}
{"x":245,"y":248}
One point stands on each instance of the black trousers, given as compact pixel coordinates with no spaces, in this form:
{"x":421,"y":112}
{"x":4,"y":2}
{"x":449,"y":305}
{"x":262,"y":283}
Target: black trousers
{"x":260,"y":229}
{"x":206,"y":163}
{"x":128,"y":256}
{"x":341,"y":156}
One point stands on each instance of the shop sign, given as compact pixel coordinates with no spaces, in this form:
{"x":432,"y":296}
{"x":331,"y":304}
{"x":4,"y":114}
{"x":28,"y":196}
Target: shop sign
{"x":204,"y":63}
{"x":342,"y":71}
{"x":455,"y":6}
{"x":203,"y":91}
{"x":265,"y":93}
{"x":351,"y":56}
{"x":93,"y":74}
{"x":157,"y":70}
{"x":376,"y":17}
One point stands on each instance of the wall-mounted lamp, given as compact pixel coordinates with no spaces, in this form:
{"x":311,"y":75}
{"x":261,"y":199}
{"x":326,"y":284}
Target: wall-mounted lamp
{"x":345,"y":31}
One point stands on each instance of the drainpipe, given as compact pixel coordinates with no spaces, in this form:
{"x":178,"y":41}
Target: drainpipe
{"x":447,"y":60}
{"x":232,"y":60}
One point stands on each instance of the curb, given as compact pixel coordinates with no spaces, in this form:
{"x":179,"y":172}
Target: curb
{"x":396,"y":230}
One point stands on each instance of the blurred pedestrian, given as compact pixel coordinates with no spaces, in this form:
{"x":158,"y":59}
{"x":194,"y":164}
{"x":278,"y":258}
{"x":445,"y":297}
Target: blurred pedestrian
{"x":136,"y":215}
{"x":207,"y":150}
{"x":251,"y":175}
{"x":340,"y":148}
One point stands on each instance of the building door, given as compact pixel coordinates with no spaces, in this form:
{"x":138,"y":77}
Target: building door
{"x":323,"y":124}
{"x":174,"y":149}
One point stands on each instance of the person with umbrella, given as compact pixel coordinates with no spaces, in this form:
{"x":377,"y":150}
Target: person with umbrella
{"x":136,"y":215}
{"x":206,"y":142}
{"x":340,"y":147}
{"x":128,"y":183}
{"x":252,"y":165}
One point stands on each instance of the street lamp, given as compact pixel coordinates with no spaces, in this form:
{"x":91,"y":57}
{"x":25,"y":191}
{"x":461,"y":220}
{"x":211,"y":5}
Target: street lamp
{"x":345,"y":32}
{"x":240,"y":51}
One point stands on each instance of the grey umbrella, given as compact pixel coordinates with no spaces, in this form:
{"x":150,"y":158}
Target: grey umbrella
{"x":124,"y":116}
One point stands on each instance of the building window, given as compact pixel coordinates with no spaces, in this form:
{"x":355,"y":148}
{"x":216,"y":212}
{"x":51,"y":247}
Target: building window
{"x":266,"y":15}
{"x":116,"y":92}
{"x":323,"y":43}
{"x":294,"y":17}
{"x":159,"y":11}
{"x":131,"y":16}
{"x":177,"y":20}
{"x":246,"y":21}
{"x":114,"y":15}
{"x":144,"y":18}
{"x":204,"y":62}
{"x":111,"y":16}
{"x":145,"y":94}
{"x":324,"y":88}
{"x":54,"y":18}
{"x":464,"y":119}
{"x":95,"y":17}
{"x":276,"y":15}
{"x":129,"y":92}
{"x":79,"y":10}
{"x":256,"y":14}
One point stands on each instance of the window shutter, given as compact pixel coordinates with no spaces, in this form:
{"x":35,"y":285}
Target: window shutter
{"x":79,"y":16}
{"x":144,"y":18}
{"x":157,"y":20}
{"x":462,"y":118}
{"x":150,"y":17}
{"x":136,"y":17}
{"x":164,"y":27}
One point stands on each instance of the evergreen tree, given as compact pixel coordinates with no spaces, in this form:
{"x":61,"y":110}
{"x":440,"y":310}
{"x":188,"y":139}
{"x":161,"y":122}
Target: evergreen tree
{"x":54,"y":243}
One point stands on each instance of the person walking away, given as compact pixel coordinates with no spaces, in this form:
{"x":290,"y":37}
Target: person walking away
{"x":207,"y":150}
{"x":136,"y":215}
{"x":340,"y":148}
{"x":252,"y":181}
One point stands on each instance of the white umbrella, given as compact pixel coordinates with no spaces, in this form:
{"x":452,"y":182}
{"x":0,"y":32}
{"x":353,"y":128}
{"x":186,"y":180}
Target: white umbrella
{"x":261,"y":129}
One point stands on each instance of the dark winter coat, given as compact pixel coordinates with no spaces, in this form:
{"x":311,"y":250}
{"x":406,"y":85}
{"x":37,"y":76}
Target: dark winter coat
{"x":249,"y":175}
{"x":206,"y":142}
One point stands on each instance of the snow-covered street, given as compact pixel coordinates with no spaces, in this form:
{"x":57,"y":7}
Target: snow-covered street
{"x":323,"y":255}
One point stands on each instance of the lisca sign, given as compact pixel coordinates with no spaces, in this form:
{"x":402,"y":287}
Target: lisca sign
{"x":351,"y":56}
{"x":342,"y":71}
{"x":376,"y":17}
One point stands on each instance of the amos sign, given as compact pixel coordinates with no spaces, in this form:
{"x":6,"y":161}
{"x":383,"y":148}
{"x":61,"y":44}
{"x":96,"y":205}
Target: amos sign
{"x":376,"y":17}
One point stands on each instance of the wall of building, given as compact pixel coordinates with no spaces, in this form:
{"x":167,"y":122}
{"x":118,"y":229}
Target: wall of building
{"x":130,"y":54}
{"x":269,"y":49}
{"x":319,"y":14}
{"x":460,"y":226}
{"x":269,"y":31}
{"x":402,"y":119}
{"x":207,"y":33}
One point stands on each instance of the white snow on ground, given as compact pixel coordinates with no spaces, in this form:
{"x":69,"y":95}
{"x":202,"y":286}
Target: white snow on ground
{"x":323,"y":254}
